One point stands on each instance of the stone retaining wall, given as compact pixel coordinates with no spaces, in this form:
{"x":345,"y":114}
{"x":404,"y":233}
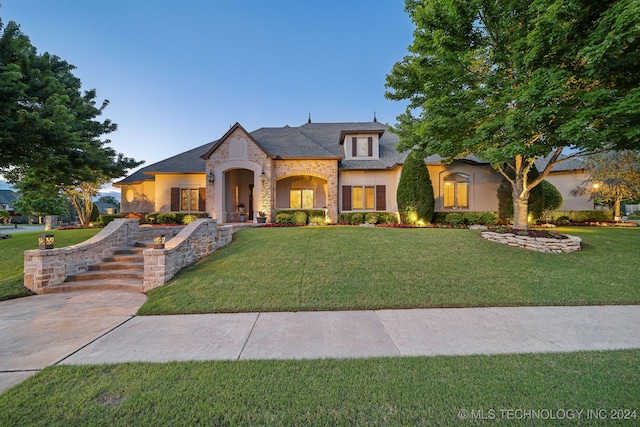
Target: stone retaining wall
{"x":184,"y":245}
{"x":52,"y":266}
{"x":538,"y":244}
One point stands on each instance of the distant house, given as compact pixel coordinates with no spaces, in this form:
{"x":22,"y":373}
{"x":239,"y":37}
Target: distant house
{"x":338,"y":167}
{"x":7,"y":197}
{"x":106,"y":208}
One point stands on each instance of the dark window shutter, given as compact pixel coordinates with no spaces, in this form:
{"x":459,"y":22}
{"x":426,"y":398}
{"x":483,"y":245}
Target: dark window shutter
{"x":346,"y":197}
{"x":381,"y":198}
{"x":175,"y":199}
{"x":354,"y":146}
{"x":202,"y":199}
{"x":370,"y":146}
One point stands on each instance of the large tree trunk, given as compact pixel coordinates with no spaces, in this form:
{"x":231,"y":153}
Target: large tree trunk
{"x":520,"y":196}
{"x":521,"y":211}
{"x":616,"y":207}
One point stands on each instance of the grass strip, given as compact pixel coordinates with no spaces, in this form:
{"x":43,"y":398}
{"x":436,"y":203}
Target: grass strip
{"x":586,"y":388}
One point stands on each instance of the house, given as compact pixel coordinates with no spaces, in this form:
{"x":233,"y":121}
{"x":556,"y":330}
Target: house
{"x":7,"y":197}
{"x":337,"y":167}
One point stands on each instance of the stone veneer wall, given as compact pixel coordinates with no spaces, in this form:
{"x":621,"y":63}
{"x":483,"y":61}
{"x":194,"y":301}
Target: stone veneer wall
{"x":538,"y":244}
{"x":197,"y":240}
{"x":325,"y":169}
{"x":50,"y":267}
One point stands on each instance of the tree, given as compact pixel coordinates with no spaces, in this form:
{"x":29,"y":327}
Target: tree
{"x":49,"y":129}
{"x":415,"y":193}
{"x":614,"y":177}
{"x":505,"y":196}
{"x":515,"y":80}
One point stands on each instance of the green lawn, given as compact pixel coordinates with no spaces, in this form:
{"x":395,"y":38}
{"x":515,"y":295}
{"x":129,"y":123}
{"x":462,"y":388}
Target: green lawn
{"x":12,"y":256}
{"x":587,"y":388}
{"x":340,"y":268}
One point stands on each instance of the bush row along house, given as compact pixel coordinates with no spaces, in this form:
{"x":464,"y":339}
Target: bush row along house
{"x":338,"y":167}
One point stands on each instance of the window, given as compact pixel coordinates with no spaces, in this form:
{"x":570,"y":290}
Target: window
{"x":360,"y":197}
{"x":362,"y":146}
{"x":455,"y":194}
{"x":188,"y":199}
{"x":301,"y":199}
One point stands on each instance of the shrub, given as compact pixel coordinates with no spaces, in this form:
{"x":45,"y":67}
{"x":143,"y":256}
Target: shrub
{"x":319,"y":220}
{"x":552,"y":197}
{"x":415,"y":197}
{"x":299,"y":218}
{"x":488,"y":218}
{"x":583,"y":216}
{"x":283,"y":218}
{"x":454,"y":218}
{"x":4,"y":215}
{"x":387,"y":218}
{"x":166,"y":218}
{"x":371,"y":218}
{"x":188,"y":219}
{"x":356,"y":218}
{"x":471,"y":218}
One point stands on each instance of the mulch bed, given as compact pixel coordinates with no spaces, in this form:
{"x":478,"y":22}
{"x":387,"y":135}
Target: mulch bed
{"x":531,"y":233}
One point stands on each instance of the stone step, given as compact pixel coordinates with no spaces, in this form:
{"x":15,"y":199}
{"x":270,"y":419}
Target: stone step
{"x":101,"y":285}
{"x":130,"y":251}
{"x":107,"y":275}
{"x":117,"y":266}
{"x":145,"y":244}
{"x":124,"y":258}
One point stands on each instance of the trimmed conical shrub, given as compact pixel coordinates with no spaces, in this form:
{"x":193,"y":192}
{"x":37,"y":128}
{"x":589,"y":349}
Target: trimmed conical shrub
{"x":416,"y":202}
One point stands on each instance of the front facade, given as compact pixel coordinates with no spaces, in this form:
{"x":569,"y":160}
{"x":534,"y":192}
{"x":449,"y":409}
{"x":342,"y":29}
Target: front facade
{"x":335,"y":167}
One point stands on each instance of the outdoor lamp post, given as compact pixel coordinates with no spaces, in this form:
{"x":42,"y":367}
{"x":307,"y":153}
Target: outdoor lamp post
{"x":158,"y":241}
{"x":46,"y":241}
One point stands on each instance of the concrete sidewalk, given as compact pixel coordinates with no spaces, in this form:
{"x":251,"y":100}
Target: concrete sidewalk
{"x":99,"y":327}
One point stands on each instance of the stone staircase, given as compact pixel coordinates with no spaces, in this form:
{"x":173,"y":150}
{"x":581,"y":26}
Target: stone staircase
{"x":123,"y":271}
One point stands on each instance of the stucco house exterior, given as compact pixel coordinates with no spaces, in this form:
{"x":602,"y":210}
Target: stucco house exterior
{"x":338,"y":167}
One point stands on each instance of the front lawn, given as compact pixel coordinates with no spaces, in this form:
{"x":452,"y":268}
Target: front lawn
{"x":585,"y":388}
{"x":344,"y":268}
{"x":12,"y":256}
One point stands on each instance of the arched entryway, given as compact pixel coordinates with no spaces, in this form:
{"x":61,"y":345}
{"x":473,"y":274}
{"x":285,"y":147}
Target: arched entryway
{"x":239,"y":195}
{"x":301,"y":192}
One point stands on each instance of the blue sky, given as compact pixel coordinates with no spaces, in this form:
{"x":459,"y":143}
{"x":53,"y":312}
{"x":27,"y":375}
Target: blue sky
{"x":178,"y":74}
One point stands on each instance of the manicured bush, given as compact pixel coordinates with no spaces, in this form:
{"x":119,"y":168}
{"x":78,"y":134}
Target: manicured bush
{"x":488,"y":218}
{"x":356,"y":218}
{"x":454,"y":218}
{"x":552,"y":197}
{"x":583,"y":216}
{"x":283,"y":218}
{"x":471,"y":218}
{"x":166,"y":218}
{"x":299,"y":218}
{"x":387,"y":218}
{"x":188,"y":219}
{"x":415,"y":197}
{"x":318,"y":220}
{"x":371,"y":218}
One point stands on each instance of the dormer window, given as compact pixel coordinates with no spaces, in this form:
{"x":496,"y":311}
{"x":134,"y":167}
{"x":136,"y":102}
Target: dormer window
{"x":362,"y":146}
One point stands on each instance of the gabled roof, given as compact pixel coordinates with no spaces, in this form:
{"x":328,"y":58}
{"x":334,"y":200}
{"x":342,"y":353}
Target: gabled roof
{"x":187,"y":162}
{"x":309,"y":141}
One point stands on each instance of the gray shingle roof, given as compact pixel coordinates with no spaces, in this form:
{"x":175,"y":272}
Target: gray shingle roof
{"x":310,"y":141}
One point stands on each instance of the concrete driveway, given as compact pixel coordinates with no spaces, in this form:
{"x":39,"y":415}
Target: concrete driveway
{"x":41,"y":330}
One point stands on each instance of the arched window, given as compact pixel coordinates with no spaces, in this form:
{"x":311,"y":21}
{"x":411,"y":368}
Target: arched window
{"x":455,"y":193}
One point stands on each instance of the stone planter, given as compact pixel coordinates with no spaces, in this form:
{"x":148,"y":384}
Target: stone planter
{"x":538,"y":244}
{"x":261,"y":219}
